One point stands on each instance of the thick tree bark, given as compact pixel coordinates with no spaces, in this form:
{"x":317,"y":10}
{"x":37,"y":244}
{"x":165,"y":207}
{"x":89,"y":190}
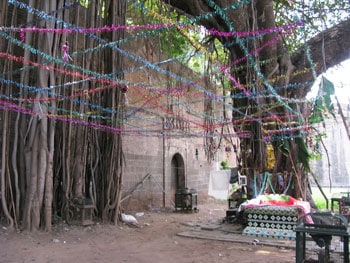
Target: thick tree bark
{"x":31,"y":151}
{"x":5,"y":183}
{"x":3,"y":180}
{"x":114,"y":158}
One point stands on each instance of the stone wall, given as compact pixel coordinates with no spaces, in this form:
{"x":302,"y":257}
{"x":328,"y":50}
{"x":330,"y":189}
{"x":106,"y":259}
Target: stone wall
{"x":154,"y":156}
{"x":152,"y":153}
{"x":334,"y":169}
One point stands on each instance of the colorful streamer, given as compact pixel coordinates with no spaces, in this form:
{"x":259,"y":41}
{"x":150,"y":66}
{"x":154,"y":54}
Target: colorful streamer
{"x":151,"y":96}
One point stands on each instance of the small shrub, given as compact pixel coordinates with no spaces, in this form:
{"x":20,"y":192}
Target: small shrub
{"x":224,"y":165}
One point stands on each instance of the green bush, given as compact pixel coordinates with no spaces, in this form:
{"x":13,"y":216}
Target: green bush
{"x":321,"y":203}
{"x":224,"y":165}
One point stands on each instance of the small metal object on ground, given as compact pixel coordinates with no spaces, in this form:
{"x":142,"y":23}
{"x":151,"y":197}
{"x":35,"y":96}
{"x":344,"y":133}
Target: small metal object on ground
{"x":83,"y":211}
{"x":186,"y":200}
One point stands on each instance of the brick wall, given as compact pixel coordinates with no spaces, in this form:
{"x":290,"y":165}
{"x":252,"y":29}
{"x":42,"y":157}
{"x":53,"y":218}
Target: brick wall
{"x":152,"y":152}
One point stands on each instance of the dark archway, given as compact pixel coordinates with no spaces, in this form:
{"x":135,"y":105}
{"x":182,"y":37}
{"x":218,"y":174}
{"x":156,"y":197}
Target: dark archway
{"x":178,"y":172}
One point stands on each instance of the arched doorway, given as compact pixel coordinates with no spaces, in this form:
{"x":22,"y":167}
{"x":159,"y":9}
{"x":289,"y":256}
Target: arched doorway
{"x":178,"y":172}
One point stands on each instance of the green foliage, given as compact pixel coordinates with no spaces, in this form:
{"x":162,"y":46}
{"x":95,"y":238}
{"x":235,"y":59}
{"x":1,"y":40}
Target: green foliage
{"x":320,"y":203}
{"x":224,"y":165}
{"x":177,"y":43}
{"x":316,"y":16}
{"x":284,"y":146}
{"x":172,"y":42}
{"x":316,"y":149}
{"x":84,"y":3}
{"x":323,"y":106}
{"x":303,"y":153}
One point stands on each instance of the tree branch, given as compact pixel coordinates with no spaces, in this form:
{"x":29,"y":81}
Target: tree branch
{"x":327,"y":49}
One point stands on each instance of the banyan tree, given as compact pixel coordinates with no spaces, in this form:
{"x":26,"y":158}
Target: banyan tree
{"x":47,"y":161}
{"x":271,"y":69}
{"x":268,"y":53}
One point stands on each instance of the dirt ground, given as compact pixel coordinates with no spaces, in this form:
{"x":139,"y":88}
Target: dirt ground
{"x":155,"y":240}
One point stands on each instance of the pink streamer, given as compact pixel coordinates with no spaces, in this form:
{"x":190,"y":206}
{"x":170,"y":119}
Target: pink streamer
{"x":22,"y":35}
{"x":113,"y":27}
{"x":66,"y":57}
{"x":237,"y":84}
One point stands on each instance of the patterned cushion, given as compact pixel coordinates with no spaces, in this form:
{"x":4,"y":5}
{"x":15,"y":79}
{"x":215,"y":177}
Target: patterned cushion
{"x":271,"y":221}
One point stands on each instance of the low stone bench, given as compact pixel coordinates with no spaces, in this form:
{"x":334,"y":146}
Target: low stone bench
{"x":271,"y":221}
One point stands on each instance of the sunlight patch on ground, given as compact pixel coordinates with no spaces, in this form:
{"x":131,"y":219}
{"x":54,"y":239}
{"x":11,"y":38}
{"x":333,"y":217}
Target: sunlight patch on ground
{"x":262,"y":252}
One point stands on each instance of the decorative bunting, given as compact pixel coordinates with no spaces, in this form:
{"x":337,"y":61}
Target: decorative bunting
{"x":148,"y":96}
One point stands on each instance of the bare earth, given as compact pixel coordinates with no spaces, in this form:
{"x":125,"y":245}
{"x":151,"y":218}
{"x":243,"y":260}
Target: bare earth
{"x":155,"y":240}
